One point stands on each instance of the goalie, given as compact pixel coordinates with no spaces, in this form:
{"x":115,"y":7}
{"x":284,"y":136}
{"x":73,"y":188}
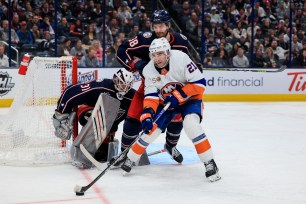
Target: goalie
{"x":111,"y":97}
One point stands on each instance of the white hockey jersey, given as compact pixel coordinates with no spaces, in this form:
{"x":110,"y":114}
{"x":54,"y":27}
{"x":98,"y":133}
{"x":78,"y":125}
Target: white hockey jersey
{"x":183,"y":74}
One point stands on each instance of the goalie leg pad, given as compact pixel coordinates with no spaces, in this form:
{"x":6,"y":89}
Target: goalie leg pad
{"x":87,"y":138}
{"x":63,"y":124}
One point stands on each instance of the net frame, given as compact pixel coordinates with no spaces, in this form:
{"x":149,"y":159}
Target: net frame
{"x":26,"y":132}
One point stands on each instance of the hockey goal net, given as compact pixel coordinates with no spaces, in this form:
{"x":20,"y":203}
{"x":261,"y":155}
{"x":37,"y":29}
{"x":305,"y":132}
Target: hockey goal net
{"x":26,"y":132}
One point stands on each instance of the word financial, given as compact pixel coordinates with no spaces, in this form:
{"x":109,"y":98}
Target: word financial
{"x":235,"y":82}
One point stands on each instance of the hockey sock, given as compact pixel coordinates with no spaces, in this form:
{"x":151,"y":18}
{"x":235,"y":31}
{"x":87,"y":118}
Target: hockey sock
{"x":173,"y":133}
{"x":131,"y":129}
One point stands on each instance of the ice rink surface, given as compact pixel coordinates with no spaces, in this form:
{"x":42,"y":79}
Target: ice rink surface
{"x":260,"y":149}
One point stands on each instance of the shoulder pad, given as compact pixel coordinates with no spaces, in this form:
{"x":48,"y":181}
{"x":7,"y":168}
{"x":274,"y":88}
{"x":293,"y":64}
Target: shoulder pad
{"x":183,"y":36}
{"x":147,"y":34}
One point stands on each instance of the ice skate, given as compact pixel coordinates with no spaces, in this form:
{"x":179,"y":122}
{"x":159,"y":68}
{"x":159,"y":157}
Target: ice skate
{"x":175,"y":154}
{"x":212,"y":171}
{"x":127,"y":165}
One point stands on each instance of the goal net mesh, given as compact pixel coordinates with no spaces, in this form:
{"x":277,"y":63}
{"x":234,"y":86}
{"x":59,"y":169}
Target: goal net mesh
{"x":26,"y":132}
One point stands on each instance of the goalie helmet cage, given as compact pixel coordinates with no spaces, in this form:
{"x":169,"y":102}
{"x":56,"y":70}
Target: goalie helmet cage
{"x":27,"y":132}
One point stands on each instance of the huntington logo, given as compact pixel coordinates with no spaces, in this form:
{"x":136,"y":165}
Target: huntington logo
{"x":5,"y":83}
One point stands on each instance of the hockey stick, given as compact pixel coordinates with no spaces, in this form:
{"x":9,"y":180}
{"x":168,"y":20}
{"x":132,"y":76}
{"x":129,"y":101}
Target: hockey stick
{"x":80,"y":190}
{"x":156,"y":152}
{"x":282,"y":68}
{"x":100,"y":166}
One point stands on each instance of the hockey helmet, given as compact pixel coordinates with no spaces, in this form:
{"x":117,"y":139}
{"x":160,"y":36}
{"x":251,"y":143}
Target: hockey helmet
{"x":123,"y":80}
{"x":160,"y":16}
{"x":158,"y":45}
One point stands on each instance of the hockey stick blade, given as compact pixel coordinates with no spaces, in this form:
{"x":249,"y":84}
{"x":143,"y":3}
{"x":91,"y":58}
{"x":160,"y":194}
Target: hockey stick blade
{"x":282,"y":68}
{"x":80,"y":190}
{"x":97,"y":164}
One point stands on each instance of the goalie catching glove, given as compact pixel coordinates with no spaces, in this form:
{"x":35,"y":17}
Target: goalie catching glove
{"x":176,"y":98}
{"x":63,"y":124}
{"x":146,"y":120}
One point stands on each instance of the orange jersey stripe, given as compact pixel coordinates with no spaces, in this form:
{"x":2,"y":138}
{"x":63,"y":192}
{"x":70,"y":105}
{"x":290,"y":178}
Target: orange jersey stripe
{"x":202,"y":146}
{"x":138,"y":149}
{"x":152,"y":103}
{"x":194,"y":90}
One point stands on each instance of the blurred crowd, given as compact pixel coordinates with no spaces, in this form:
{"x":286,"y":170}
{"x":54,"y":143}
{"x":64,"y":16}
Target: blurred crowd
{"x":227,"y":29}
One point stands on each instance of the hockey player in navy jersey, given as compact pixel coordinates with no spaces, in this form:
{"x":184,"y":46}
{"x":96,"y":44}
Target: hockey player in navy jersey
{"x":133,"y":54}
{"x":85,"y":97}
{"x":172,"y":77}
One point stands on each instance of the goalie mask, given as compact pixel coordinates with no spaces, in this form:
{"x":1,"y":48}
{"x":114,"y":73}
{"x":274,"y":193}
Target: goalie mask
{"x":160,"y":52}
{"x":123,"y":82}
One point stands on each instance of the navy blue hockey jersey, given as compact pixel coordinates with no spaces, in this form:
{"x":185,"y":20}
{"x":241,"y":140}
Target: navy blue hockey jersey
{"x":88,"y":94}
{"x":139,"y":47}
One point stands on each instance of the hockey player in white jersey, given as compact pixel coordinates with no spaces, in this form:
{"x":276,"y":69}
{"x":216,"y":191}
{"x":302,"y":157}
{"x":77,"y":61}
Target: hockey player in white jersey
{"x":171,"y":76}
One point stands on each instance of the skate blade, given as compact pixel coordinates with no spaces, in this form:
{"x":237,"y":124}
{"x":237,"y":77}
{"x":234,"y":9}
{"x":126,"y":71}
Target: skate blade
{"x":214,"y":177}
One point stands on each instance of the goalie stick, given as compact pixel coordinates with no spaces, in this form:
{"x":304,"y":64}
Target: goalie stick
{"x":80,"y":190}
{"x":282,"y":68}
{"x":100,"y":166}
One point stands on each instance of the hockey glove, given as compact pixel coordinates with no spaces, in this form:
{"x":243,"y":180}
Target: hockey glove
{"x":177,"y":97}
{"x":138,"y":64}
{"x":146,"y":120}
{"x":63,"y":124}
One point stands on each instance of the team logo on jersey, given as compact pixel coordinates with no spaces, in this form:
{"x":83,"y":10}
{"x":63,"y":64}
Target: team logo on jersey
{"x":168,"y":88}
{"x":183,"y":36}
{"x":147,"y":34}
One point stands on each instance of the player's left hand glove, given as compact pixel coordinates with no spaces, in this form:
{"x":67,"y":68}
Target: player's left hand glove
{"x":177,"y":97}
{"x":137,"y":64}
{"x":146,"y":120}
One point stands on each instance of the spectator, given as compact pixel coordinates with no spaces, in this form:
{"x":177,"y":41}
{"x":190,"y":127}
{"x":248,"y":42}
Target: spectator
{"x":90,"y":35}
{"x":124,"y":13}
{"x":99,"y":51}
{"x":211,"y":45}
{"x":47,"y":44}
{"x":239,"y":31}
{"x":214,"y":15}
{"x":135,"y":31}
{"x":4,"y":33}
{"x":96,"y":12}
{"x":89,"y":60}
{"x":36,"y":34}
{"x":46,"y":26}
{"x":63,"y":28}
{"x":25,"y":36}
{"x":4,"y":61}
{"x":271,"y":59}
{"x":15,"y":22}
{"x":78,"y":51}
{"x":192,"y":22}
{"x":221,"y":60}
{"x":240,"y":60}
{"x":258,"y":58}
{"x":77,"y":29}
{"x":111,"y":54}
{"x":64,"y":48}
{"x":301,"y":60}
{"x":280,"y":52}
{"x":139,"y":9}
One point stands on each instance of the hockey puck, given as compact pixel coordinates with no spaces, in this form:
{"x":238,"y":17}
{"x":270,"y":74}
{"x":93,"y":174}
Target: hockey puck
{"x":79,"y":193}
